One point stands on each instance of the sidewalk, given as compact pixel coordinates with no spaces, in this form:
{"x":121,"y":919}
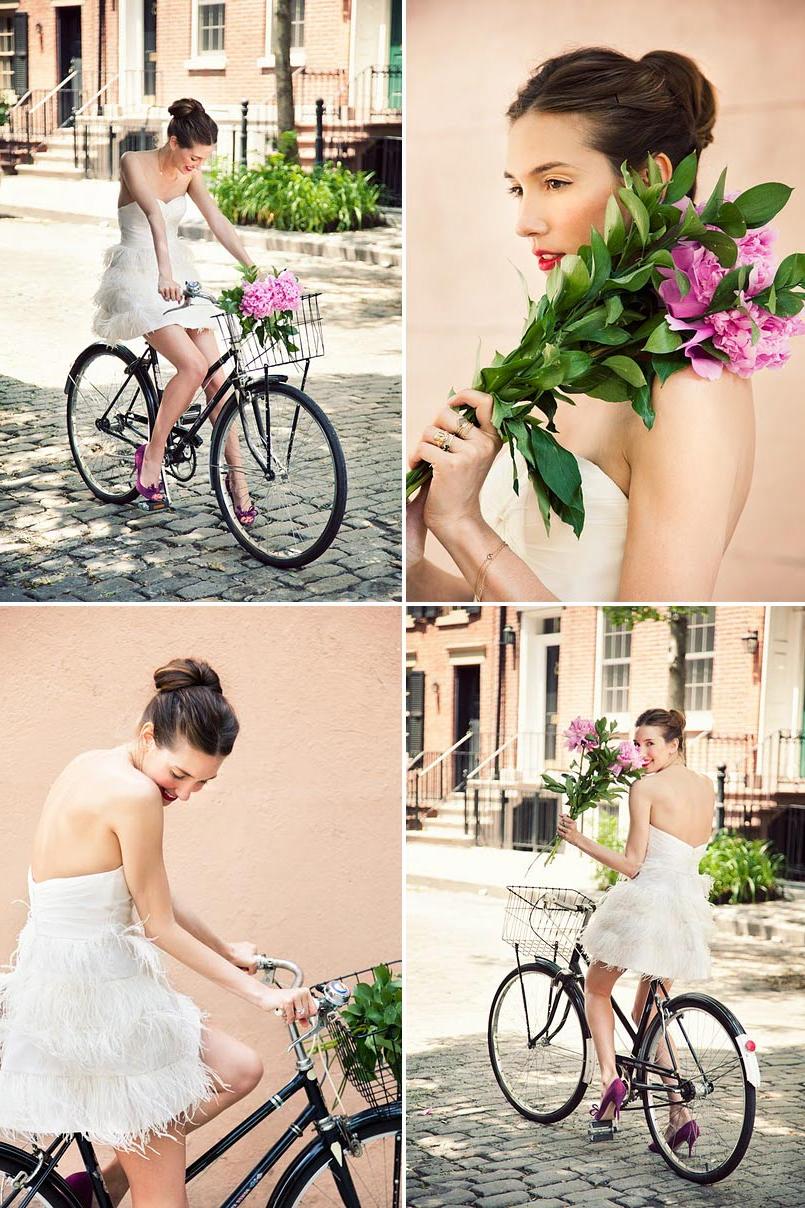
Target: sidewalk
{"x":95,"y":202}
{"x":489,"y":870}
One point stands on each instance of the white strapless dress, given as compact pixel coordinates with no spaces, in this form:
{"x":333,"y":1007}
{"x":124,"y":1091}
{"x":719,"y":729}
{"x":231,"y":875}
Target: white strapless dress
{"x":128,"y":302}
{"x":572,"y":568}
{"x":93,"y":1038}
{"x":659,"y":923}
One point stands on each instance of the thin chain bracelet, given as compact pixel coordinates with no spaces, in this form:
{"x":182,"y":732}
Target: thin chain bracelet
{"x":483,"y":570}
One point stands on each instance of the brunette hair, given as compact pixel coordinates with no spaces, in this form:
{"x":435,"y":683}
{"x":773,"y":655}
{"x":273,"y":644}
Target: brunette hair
{"x":670,"y":721}
{"x":190,"y":704}
{"x":191,"y":123}
{"x":660,"y":102}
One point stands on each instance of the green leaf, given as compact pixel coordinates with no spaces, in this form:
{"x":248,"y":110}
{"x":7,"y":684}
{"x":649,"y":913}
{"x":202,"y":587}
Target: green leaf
{"x":614,"y":229}
{"x":662,"y":339}
{"x":664,"y":367}
{"x":721,"y":245}
{"x":791,"y":271}
{"x":788,"y":303}
{"x":662,"y":258}
{"x":714,"y":201}
{"x":602,"y":261}
{"x":605,"y":335}
{"x":638,"y":212}
{"x":574,"y":363}
{"x":556,"y":465}
{"x":627,"y":369}
{"x":684,"y":175}
{"x":760,"y":203}
{"x":614,"y":309}
{"x":612,"y":388}
{"x":654,"y":174}
{"x":773,"y":299}
{"x":692,"y":225}
{"x":724,"y":297}
{"x":682,"y":282}
{"x":731,"y":220}
{"x":641,"y":405}
{"x":635,"y":279}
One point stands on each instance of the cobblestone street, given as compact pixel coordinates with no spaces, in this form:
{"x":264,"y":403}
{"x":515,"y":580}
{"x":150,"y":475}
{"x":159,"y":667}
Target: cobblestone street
{"x":467,"y":1146}
{"x":57,"y":542}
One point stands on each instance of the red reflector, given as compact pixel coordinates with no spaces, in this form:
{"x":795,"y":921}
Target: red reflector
{"x":750,"y":1046}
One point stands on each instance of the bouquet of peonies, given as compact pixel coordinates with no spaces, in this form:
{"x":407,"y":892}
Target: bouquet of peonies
{"x":685,"y":285}
{"x":265,"y":304}
{"x":611,"y":768}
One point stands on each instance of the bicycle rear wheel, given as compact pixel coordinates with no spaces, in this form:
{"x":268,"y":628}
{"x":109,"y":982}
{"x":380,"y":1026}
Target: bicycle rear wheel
{"x":109,"y":406}
{"x":539,"y":1043}
{"x":374,"y":1166}
{"x":699,"y":1045}
{"x":16,"y":1163}
{"x":290,"y":460}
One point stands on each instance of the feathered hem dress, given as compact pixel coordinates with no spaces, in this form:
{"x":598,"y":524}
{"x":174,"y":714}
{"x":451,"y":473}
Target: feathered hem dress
{"x":93,"y":1039}
{"x":659,"y":923}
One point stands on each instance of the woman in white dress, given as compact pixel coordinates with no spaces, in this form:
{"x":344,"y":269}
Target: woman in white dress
{"x":94,"y":1039}
{"x":662,"y":505}
{"x":658,"y":922}
{"x":141,"y":288}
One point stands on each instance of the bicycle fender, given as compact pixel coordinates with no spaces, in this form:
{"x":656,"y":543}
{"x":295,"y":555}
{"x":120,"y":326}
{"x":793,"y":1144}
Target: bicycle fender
{"x":90,"y":351}
{"x":28,"y":1162}
{"x":749,"y":1058}
{"x":748,"y":1055}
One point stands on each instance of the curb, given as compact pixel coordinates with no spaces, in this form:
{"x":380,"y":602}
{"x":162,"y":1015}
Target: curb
{"x":307,"y":244}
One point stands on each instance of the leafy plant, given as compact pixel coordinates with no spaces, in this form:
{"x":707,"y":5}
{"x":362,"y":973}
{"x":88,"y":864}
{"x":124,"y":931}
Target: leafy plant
{"x":608,"y":836}
{"x":374,"y":1019}
{"x":743,"y":870}
{"x":279,"y":193}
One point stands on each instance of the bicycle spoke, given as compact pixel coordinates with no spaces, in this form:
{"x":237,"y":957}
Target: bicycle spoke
{"x":103,"y":392}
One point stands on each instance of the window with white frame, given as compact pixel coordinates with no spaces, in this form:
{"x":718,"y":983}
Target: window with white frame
{"x":6,"y":52}
{"x":615,"y":666}
{"x":297,"y":33}
{"x":699,"y":660}
{"x":211,"y":25}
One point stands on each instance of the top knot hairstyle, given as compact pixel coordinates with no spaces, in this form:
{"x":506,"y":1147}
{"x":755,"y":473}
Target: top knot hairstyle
{"x":634,"y":107}
{"x":189,"y":703}
{"x":670,"y":721}
{"x":191,"y":123}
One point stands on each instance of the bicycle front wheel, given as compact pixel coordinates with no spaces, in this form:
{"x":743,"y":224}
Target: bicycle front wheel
{"x":282,"y":449}
{"x":373,"y":1166}
{"x":539,"y":1043}
{"x":696,"y":1047}
{"x":15,"y":1165}
{"x":108,"y":416}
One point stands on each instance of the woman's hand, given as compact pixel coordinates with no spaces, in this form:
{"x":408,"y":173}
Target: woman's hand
{"x":243,"y":955}
{"x":568,"y":830}
{"x":416,"y":530}
{"x":461,"y":455}
{"x":297,"y":1006}
{"x":170,"y":290}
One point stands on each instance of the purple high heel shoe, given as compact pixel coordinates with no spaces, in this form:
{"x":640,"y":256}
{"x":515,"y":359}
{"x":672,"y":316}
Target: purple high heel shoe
{"x":246,"y":516}
{"x":81,"y":1187}
{"x":615,"y":1093}
{"x":689,"y":1131}
{"x":155,"y":496}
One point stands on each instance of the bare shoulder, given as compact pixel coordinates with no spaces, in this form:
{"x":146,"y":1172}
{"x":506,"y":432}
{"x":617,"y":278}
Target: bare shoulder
{"x":641,"y":791}
{"x":113,"y":780}
{"x":687,"y":406}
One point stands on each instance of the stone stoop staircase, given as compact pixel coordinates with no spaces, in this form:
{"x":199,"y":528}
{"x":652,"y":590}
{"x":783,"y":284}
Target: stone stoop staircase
{"x":443,"y":822}
{"x":53,"y":158}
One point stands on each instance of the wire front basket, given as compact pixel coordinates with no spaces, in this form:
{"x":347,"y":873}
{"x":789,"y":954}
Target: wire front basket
{"x":545,"y":922}
{"x":307,"y":341}
{"x":370,"y":1058}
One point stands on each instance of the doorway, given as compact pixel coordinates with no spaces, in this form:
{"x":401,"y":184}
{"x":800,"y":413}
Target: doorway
{"x":395,"y":56}
{"x":150,"y":50}
{"x":466,"y":717}
{"x":538,"y":717}
{"x":68,"y":42}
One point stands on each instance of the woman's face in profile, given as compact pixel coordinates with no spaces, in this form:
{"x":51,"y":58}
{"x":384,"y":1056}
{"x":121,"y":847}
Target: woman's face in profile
{"x":561,"y":184}
{"x":179,"y":770}
{"x":656,"y":751}
{"x":189,"y":159}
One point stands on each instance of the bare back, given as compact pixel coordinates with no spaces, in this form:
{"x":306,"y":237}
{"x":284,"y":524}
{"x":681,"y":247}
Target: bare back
{"x":681,"y":803}
{"x":76,"y":831}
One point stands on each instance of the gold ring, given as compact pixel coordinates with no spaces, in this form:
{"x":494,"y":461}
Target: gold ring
{"x":464,"y":427}
{"x":443,"y":440}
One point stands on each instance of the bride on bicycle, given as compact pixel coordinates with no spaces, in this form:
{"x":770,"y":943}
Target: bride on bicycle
{"x":657,"y":922}
{"x":147,"y":270}
{"x":94,"y":1039}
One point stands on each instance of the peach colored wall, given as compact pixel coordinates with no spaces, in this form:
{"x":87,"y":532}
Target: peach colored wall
{"x":465,"y":60}
{"x":296,"y":847}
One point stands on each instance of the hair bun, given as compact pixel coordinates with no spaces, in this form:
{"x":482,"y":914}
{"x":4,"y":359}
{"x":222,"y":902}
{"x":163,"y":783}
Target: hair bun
{"x":181,"y":674}
{"x":678,"y":717}
{"x":690,"y":88}
{"x":185,"y":107}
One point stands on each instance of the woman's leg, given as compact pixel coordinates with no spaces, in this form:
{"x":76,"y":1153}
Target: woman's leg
{"x":235,"y":1065}
{"x":679,"y":1114}
{"x":155,"y":1180}
{"x":205,"y":341}
{"x":598,"y":988}
{"x":175,"y":344}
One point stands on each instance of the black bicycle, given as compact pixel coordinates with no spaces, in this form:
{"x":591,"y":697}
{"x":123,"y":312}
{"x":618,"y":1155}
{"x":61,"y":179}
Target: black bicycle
{"x":689,"y":1053}
{"x":269,"y":437}
{"x":351,"y":1160}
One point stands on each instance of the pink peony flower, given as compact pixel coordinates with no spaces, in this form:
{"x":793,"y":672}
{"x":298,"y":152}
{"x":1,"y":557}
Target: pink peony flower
{"x":292,"y":290}
{"x":629,"y":759}
{"x":581,"y":734}
{"x":270,"y":295}
{"x":731,"y":333}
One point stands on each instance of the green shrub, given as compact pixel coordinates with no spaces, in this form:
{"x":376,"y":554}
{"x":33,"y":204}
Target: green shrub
{"x":743,"y":870}
{"x":608,"y":835}
{"x":281,"y":194}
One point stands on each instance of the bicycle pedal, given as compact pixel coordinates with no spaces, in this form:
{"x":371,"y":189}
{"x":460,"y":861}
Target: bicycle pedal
{"x":601,"y":1130}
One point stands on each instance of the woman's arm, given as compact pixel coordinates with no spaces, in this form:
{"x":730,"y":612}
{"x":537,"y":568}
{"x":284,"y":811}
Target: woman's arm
{"x":138,"y":823}
{"x":220,"y":226}
{"x":134,"y":178}
{"x":689,"y":477}
{"x":197,"y":927}
{"x":630,"y":861}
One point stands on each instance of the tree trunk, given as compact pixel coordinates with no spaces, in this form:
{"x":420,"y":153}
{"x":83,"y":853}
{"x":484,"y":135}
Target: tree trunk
{"x":678,"y":631}
{"x":281,"y":43}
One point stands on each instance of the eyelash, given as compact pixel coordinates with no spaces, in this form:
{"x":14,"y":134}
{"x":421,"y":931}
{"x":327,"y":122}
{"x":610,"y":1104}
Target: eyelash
{"x":516,"y":191}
